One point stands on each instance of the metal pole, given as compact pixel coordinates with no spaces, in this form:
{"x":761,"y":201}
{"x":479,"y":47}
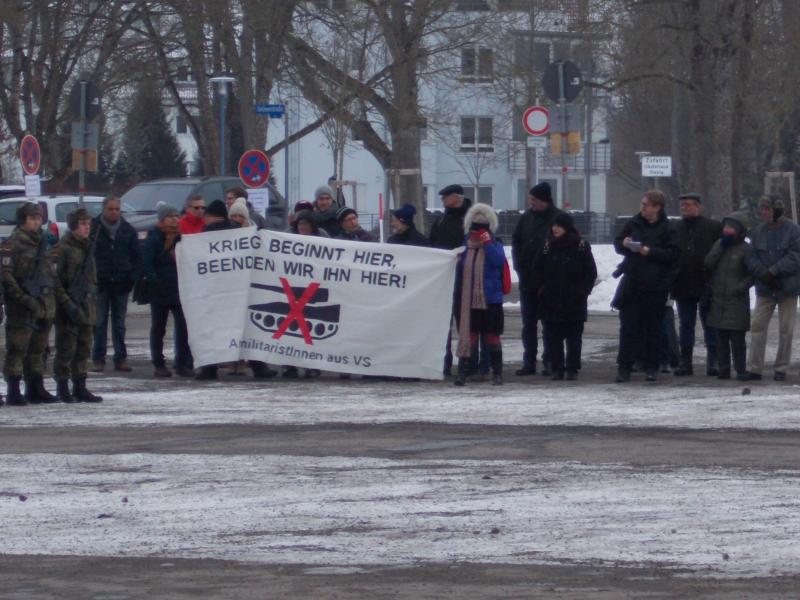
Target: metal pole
{"x":587,"y":153}
{"x":286,"y":150}
{"x":82,"y":166}
{"x":563,"y":104}
{"x":222,"y":98}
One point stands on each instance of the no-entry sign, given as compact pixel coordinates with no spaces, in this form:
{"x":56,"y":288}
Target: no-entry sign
{"x":254,"y":168}
{"x":536,"y":120}
{"x":30,"y":155}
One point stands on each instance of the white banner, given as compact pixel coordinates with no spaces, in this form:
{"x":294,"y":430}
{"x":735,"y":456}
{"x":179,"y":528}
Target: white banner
{"x":318,"y":303}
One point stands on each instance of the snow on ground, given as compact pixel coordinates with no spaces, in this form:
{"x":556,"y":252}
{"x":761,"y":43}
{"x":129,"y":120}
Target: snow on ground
{"x":136,"y":403}
{"x":364,"y":511}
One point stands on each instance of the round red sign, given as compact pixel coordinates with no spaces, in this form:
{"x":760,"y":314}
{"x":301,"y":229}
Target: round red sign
{"x":30,"y":155}
{"x":536,"y":120}
{"x":254,"y":168}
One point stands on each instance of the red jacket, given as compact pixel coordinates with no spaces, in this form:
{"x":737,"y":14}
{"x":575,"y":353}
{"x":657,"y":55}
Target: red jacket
{"x":191,"y":224}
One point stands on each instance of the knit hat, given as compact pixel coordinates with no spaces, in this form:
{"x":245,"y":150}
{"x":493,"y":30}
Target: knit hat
{"x":217,"y":209}
{"x":27,"y":209}
{"x":405,"y":214}
{"x":305,"y":215}
{"x":303,"y":205}
{"x":543,"y":192}
{"x":164,"y":210}
{"x":564,"y":220}
{"x":343,"y":212}
{"x":324,"y":189}
{"x":239,"y":207}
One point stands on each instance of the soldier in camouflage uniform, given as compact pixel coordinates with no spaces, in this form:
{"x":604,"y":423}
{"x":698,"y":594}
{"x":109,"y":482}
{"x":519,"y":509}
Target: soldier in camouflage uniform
{"x":30,"y":307}
{"x":76,"y":312}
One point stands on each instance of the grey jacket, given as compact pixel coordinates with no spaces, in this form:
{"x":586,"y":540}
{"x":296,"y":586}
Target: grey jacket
{"x":730,"y":286}
{"x":776,"y":248}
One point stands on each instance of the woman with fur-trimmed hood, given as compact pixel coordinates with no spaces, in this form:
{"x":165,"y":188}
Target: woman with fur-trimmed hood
{"x":479,"y":292}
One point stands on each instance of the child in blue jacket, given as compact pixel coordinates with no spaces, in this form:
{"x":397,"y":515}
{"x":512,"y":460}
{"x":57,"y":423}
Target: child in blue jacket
{"x":479,"y":292}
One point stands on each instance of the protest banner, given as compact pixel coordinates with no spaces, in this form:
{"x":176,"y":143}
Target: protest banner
{"x":318,"y":303}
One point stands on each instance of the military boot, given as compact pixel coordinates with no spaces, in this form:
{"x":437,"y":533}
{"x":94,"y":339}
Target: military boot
{"x":41,"y":393}
{"x":30,"y":392}
{"x":80,"y":392}
{"x":13,"y":395}
{"x":62,"y":391}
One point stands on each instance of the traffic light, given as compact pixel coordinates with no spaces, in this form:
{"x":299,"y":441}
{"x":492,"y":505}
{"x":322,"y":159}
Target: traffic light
{"x":555,"y":144}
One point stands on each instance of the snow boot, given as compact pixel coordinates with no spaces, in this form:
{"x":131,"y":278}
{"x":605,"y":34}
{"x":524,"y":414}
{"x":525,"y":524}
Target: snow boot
{"x":62,"y":391}
{"x":496,"y":357}
{"x":463,"y":370}
{"x":685,"y":368}
{"x":80,"y":392}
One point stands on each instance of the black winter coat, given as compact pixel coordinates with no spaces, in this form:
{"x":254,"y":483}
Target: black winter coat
{"x":359,"y":235}
{"x":696,"y":237}
{"x":410,"y":237}
{"x":654,"y":272}
{"x":118,"y":261}
{"x":564,"y":273}
{"x":221,"y":226}
{"x":160,"y":269}
{"x":528,"y":238}
{"x":447,"y":231}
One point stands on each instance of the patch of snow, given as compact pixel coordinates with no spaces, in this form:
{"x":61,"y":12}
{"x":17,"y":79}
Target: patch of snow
{"x":338,"y":511}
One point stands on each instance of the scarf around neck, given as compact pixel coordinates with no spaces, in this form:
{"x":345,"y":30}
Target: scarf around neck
{"x":111,"y":228}
{"x":472,"y":296}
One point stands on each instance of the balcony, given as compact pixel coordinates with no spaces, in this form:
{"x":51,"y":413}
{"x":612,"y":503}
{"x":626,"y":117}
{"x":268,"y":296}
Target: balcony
{"x":601,"y":159}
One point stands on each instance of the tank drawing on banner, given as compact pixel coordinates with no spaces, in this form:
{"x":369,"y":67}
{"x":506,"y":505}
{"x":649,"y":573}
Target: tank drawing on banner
{"x":321,"y":322}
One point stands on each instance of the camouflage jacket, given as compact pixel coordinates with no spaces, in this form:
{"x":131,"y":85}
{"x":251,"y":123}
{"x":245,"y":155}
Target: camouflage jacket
{"x":67,"y":258}
{"x":18,"y":260}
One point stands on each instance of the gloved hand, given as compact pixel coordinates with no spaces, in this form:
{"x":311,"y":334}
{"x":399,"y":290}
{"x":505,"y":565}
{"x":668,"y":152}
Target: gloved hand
{"x":726,"y":240}
{"x":72,"y":310}
{"x":772,"y":282}
{"x":33,"y":305}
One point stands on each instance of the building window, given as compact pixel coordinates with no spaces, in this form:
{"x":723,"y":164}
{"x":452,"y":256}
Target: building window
{"x":479,"y":193}
{"x":530,"y":55}
{"x":476,"y":134}
{"x":477,"y":64}
{"x":468,"y":5}
{"x":180,"y":124}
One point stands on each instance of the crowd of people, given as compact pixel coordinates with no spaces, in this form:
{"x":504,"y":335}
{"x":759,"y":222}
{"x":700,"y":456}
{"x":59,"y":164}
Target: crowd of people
{"x":704,"y":266}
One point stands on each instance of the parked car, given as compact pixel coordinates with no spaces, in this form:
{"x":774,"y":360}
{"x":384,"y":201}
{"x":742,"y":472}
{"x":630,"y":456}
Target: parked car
{"x":11,"y":190}
{"x":55,"y":209}
{"x":139,"y":203}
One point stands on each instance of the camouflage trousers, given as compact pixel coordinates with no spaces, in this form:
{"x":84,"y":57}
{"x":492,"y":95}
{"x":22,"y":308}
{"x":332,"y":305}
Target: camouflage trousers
{"x":25,"y":348}
{"x":73,"y":347}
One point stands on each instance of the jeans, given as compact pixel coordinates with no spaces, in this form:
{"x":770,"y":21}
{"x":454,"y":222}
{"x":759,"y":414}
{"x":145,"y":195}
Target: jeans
{"x":117,"y":304}
{"x":641,"y":330}
{"x":687,"y":315}
{"x":159,"y":313}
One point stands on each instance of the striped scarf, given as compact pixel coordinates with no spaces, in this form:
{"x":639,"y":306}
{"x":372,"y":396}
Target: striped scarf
{"x":472,"y":296}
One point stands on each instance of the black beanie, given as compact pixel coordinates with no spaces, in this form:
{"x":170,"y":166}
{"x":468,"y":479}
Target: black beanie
{"x":564,"y":220}
{"x":217,"y":209}
{"x":542,"y":192}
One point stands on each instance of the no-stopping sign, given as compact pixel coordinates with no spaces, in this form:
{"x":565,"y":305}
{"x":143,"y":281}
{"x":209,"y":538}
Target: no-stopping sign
{"x":536,"y":120}
{"x":254,"y":168}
